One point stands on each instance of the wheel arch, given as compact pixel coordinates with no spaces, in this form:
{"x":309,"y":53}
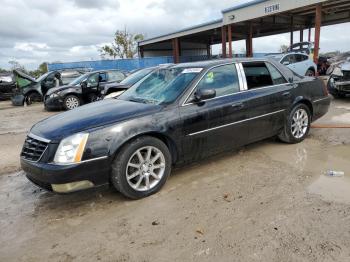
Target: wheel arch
{"x":305,"y":101}
{"x":168,"y":141}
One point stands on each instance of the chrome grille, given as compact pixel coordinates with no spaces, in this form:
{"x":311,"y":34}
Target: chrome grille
{"x":33,"y":149}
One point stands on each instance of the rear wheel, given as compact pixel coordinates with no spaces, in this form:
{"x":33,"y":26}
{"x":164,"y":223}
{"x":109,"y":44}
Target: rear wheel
{"x":141,"y":168}
{"x":297,"y":125}
{"x":70,"y":102}
{"x":33,"y":97}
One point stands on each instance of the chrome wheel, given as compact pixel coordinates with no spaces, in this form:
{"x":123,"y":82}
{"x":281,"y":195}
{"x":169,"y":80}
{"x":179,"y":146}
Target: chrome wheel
{"x":145,"y":168}
{"x":300,"y":123}
{"x":72,"y":102}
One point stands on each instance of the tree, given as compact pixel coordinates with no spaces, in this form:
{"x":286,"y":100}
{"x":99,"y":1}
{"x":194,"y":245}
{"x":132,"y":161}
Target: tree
{"x":283,"y":48}
{"x":123,"y":46}
{"x":42,"y":69}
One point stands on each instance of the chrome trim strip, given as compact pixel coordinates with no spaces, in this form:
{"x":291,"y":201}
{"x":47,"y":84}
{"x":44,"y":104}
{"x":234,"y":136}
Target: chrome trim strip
{"x":240,"y":78}
{"x":39,"y":138}
{"x":319,"y":100}
{"x":245,"y":84}
{"x":81,"y":162}
{"x":234,"y":123}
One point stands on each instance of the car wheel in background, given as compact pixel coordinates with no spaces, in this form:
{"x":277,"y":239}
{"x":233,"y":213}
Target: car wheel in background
{"x":141,"y":168}
{"x":310,"y":72}
{"x":70,"y":102}
{"x":33,"y":98}
{"x":297,"y":125}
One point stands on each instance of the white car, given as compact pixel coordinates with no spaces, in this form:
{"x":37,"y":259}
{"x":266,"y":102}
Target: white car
{"x":298,"y":62}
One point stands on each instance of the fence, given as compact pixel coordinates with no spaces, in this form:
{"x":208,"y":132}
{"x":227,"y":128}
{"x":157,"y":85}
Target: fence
{"x":132,"y":64}
{"x":122,"y":64}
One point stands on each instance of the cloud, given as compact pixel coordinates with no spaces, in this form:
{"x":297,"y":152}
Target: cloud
{"x":34,"y":31}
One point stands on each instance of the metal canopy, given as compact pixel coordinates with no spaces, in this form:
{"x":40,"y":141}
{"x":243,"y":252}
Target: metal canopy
{"x":254,"y":19}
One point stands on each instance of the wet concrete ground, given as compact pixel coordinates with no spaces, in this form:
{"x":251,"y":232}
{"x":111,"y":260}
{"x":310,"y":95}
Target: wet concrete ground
{"x":267,"y":202}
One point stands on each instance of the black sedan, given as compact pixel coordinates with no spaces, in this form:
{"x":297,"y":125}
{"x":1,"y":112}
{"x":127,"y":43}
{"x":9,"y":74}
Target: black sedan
{"x":85,"y":89}
{"x":176,"y":115}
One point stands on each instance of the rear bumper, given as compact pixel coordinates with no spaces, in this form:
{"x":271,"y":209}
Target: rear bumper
{"x":320,"y":107}
{"x":68,"y":178}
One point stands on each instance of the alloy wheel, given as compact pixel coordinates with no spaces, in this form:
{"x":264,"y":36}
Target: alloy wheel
{"x":300,"y":123}
{"x":145,"y":168}
{"x":72,"y":102}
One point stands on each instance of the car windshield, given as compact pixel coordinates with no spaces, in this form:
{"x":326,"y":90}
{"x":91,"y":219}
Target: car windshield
{"x":43,"y":77}
{"x":162,"y":86}
{"x":137,"y":76}
{"x":78,"y":80}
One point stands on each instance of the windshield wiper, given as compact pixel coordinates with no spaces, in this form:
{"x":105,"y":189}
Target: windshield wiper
{"x":142,"y":100}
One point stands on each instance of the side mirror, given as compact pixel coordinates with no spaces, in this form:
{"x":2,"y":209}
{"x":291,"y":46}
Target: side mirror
{"x":286,"y":63}
{"x":201,"y":95}
{"x":83,"y":84}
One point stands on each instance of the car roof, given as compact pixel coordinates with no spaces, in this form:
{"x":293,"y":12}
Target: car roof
{"x":211,"y":63}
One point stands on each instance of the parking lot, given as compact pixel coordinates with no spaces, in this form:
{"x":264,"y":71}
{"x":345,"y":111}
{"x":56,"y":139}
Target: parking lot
{"x":266,"y":202}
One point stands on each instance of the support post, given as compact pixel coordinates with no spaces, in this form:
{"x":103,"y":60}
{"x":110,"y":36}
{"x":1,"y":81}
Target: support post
{"x":249,"y":41}
{"x":318,"y":21}
{"x":223,"y":39}
{"x":176,"y":51}
{"x":301,"y":34}
{"x":229,"y":29}
{"x":309,"y":36}
{"x":209,"y":50}
{"x":291,"y":30}
{"x":142,"y":52}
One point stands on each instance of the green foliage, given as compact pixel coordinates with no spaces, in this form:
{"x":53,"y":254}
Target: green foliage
{"x":123,"y":46}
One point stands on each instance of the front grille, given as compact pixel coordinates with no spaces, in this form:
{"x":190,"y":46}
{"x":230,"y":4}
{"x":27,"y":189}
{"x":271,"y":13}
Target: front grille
{"x":346,"y":75}
{"x":33,"y":149}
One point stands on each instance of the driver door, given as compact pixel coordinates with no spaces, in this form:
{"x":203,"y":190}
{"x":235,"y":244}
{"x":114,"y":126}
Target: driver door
{"x":92,"y":84}
{"x":216,"y":124}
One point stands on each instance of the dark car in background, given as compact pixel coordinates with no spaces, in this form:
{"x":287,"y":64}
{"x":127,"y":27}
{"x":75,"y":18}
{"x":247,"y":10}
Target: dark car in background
{"x":29,"y":89}
{"x":7,"y":86}
{"x":115,"y":89}
{"x":85,"y":89}
{"x":174,"y":116}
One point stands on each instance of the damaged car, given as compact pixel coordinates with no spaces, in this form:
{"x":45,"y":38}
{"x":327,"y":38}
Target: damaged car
{"x":85,"y":89}
{"x":7,"y":86}
{"x":175,"y":116}
{"x":339,"y":81}
{"x":31,"y":90}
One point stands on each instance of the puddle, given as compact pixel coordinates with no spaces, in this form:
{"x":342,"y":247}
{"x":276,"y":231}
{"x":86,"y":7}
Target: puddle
{"x":332,"y":188}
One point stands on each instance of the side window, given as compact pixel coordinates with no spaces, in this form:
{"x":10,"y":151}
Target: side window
{"x":277,"y":77}
{"x":257,"y":75}
{"x":93,"y":80}
{"x":304,"y":58}
{"x":115,"y":76}
{"x":285,"y":60}
{"x":223,"y":80}
{"x":102,"y":77}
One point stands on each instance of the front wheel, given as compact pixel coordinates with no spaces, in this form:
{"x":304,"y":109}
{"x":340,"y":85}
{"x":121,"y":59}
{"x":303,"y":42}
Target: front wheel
{"x":297,"y":125}
{"x":70,"y":102}
{"x":310,"y":72}
{"x":141,"y":168}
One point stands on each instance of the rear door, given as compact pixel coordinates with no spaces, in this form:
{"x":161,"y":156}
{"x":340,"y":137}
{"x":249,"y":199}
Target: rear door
{"x":268,"y":96}
{"x":214,"y":125}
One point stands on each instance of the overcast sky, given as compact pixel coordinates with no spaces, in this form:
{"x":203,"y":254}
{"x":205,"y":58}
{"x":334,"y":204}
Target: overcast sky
{"x":34,"y":31}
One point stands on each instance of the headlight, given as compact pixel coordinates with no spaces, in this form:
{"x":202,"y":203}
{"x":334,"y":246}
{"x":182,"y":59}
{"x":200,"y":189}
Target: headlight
{"x":71,"y":149}
{"x":53,"y":95}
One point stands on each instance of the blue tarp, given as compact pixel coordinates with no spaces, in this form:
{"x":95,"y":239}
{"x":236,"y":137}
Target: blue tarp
{"x":130,"y":64}
{"x":122,"y":64}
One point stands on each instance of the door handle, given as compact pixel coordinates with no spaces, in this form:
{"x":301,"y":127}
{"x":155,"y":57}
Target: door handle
{"x":238,"y":106}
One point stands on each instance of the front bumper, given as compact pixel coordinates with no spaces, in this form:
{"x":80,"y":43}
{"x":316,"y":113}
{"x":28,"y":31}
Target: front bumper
{"x":53,"y":103}
{"x":68,"y":178}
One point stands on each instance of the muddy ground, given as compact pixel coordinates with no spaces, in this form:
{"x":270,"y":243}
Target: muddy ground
{"x":267,"y":202}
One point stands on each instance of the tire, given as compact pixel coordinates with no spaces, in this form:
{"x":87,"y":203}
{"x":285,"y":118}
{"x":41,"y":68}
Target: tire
{"x":92,"y":98}
{"x":33,"y":97}
{"x":70,"y":102}
{"x":290,"y":133}
{"x":129,"y":176}
{"x":310,"y":72}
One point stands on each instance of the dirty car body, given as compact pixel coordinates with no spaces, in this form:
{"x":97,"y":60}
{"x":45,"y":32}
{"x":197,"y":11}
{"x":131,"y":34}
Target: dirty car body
{"x":339,"y":81}
{"x":209,"y":107}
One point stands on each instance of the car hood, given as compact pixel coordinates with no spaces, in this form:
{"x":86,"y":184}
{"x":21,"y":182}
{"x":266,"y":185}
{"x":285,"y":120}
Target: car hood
{"x":90,"y":116}
{"x":58,"y":89}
